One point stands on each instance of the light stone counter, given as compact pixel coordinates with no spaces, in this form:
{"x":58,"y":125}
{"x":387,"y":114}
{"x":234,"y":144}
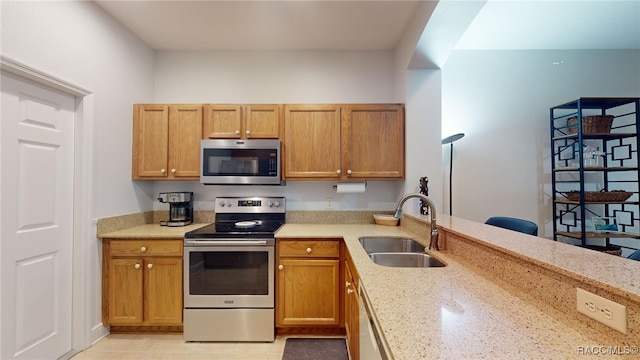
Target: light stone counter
{"x":151,"y":231}
{"x":462,"y":312}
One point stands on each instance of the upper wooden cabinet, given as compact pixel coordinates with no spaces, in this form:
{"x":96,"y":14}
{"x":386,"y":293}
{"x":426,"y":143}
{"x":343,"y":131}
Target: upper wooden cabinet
{"x":242,"y":122}
{"x":166,"y":142}
{"x":374,"y":140}
{"x":359,"y":141}
{"x":311,"y":146}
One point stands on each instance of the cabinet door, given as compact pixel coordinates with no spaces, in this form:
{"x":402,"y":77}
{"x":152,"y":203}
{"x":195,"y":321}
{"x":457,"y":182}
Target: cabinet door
{"x":262,"y":122}
{"x":307,"y":292}
{"x":375,"y":141}
{"x":185,"y":134}
{"x":351,"y":312}
{"x":311,"y":143}
{"x":222,"y":121}
{"x":125,"y":291}
{"x":163,"y":291}
{"x":150,"y":141}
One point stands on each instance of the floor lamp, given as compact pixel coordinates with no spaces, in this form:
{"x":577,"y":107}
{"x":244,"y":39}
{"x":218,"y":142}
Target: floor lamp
{"x":450,"y":140}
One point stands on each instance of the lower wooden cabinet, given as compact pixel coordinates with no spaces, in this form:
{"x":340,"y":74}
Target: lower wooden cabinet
{"x":351,"y":309}
{"x":142,"y":282}
{"x":308,"y":282}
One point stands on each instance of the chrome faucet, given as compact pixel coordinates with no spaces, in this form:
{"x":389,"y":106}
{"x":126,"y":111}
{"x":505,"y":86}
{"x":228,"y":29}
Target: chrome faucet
{"x":433,"y":244}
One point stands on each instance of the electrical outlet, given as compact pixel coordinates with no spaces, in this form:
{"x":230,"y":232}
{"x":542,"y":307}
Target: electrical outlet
{"x":602,"y":310}
{"x":329,"y":203}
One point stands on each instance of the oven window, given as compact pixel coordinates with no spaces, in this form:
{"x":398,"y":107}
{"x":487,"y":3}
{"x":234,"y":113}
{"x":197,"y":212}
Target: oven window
{"x":229,"y":273}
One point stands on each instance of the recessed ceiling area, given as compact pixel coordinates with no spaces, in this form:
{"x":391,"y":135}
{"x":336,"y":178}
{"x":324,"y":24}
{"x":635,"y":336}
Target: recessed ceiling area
{"x":373,"y":25}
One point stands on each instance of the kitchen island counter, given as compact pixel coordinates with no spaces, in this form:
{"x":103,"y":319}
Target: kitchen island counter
{"x":461,"y":311}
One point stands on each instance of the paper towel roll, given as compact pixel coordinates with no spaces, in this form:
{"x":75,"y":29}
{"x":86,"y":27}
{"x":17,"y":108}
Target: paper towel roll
{"x":351,"y":187}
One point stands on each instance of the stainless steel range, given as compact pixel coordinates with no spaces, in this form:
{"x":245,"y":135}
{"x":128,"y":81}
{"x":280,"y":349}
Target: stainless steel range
{"x":229,"y":271}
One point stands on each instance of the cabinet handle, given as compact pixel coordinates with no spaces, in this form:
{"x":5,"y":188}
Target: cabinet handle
{"x":237,"y":132}
{"x":143,"y":249}
{"x":347,"y":284}
{"x":349,"y":172}
{"x":173,"y":171}
{"x":308,"y":250}
{"x":280,"y":267}
{"x":163,"y":171}
{"x":149,"y":266}
{"x":247,"y":132}
{"x":137,"y":266}
{"x":338,"y":171}
{"x":349,"y":291}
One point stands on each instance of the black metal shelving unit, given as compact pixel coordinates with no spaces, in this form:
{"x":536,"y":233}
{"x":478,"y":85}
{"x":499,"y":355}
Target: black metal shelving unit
{"x":616,"y":169}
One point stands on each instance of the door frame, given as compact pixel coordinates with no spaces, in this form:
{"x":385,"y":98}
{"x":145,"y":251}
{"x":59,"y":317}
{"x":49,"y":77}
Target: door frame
{"x":81,"y":331}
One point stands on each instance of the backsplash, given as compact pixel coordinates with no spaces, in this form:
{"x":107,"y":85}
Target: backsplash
{"x":115,"y":223}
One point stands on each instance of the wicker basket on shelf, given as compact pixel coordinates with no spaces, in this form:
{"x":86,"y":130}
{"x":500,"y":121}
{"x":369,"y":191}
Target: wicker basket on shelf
{"x":600,"y":196}
{"x":591,"y":124}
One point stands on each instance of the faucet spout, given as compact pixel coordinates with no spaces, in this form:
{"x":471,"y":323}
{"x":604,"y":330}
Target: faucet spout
{"x":433,"y":243}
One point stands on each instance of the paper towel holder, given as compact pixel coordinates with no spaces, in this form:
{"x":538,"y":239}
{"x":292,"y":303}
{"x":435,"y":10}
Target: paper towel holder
{"x":350,"y":182}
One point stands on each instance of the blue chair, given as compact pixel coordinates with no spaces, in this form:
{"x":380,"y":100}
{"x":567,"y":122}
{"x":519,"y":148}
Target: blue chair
{"x":635,"y":255}
{"x":520,"y":225}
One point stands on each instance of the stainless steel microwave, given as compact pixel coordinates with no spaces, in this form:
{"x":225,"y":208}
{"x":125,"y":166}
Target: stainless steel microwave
{"x":240,"y":162}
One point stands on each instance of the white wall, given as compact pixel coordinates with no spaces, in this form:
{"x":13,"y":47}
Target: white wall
{"x":501,"y":101}
{"x":78,"y":43}
{"x":280,"y":77}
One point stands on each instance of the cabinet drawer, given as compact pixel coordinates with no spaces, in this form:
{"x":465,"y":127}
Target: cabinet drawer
{"x":309,"y":248}
{"x":146,"y":247}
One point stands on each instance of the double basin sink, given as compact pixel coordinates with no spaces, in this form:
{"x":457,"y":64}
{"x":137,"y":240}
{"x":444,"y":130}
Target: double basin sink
{"x":398,"y":252}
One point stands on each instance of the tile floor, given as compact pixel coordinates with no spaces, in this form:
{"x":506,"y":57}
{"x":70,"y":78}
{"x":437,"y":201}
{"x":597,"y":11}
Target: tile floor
{"x":173,"y":347}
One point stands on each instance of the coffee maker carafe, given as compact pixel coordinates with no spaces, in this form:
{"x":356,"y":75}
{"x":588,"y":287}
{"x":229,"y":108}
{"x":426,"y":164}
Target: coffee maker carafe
{"x":180,"y":208}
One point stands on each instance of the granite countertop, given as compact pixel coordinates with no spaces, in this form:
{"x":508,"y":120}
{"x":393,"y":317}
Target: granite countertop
{"x":151,"y":231}
{"x":455,"y":312}
{"x":452,"y":312}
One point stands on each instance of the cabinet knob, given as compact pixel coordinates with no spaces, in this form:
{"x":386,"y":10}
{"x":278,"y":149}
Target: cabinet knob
{"x":237,"y":132}
{"x":308,"y":250}
{"x":173,"y":171}
{"x":137,"y":266}
{"x":338,"y":171}
{"x":349,"y":172}
{"x":143,"y":249}
{"x":149,"y":266}
{"x":247,"y":132}
{"x":349,"y":291}
{"x":280,"y":267}
{"x":163,"y":171}
{"x":347,"y":284}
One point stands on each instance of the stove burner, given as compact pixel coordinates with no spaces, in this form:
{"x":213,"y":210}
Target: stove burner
{"x":246,"y":224}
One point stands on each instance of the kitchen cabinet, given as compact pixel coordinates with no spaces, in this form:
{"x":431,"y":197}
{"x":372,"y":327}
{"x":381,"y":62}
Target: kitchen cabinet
{"x":142,"y":283}
{"x":166,"y":142}
{"x":260,"y":121}
{"x":343,"y":142}
{"x":589,"y":163}
{"x":308,"y":282}
{"x":351,"y":305}
{"x":374,"y":141}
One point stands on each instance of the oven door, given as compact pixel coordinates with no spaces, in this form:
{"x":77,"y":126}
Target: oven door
{"x":228,"y":275}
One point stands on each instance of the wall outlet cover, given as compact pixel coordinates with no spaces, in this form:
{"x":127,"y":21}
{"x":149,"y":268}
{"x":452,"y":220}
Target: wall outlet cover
{"x":602,"y":310}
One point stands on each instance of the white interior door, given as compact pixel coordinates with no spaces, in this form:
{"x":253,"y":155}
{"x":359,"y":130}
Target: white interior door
{"x":36,"y":242}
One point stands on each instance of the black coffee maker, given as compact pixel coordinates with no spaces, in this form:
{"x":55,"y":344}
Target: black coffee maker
{"x":180,"y":208}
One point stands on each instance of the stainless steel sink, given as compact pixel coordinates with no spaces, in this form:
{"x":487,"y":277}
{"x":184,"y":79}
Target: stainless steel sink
{"x":380,"y":244}
{"x":406,"y":259}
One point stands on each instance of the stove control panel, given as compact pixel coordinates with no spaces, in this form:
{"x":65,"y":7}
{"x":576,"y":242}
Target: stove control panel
{"x":250,"y":205}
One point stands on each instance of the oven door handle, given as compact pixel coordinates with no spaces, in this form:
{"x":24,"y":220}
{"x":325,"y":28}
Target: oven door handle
{"x":226,"y":242}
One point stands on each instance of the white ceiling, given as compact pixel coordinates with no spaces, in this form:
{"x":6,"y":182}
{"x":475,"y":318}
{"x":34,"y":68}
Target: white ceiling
{"x":373,"y":25}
